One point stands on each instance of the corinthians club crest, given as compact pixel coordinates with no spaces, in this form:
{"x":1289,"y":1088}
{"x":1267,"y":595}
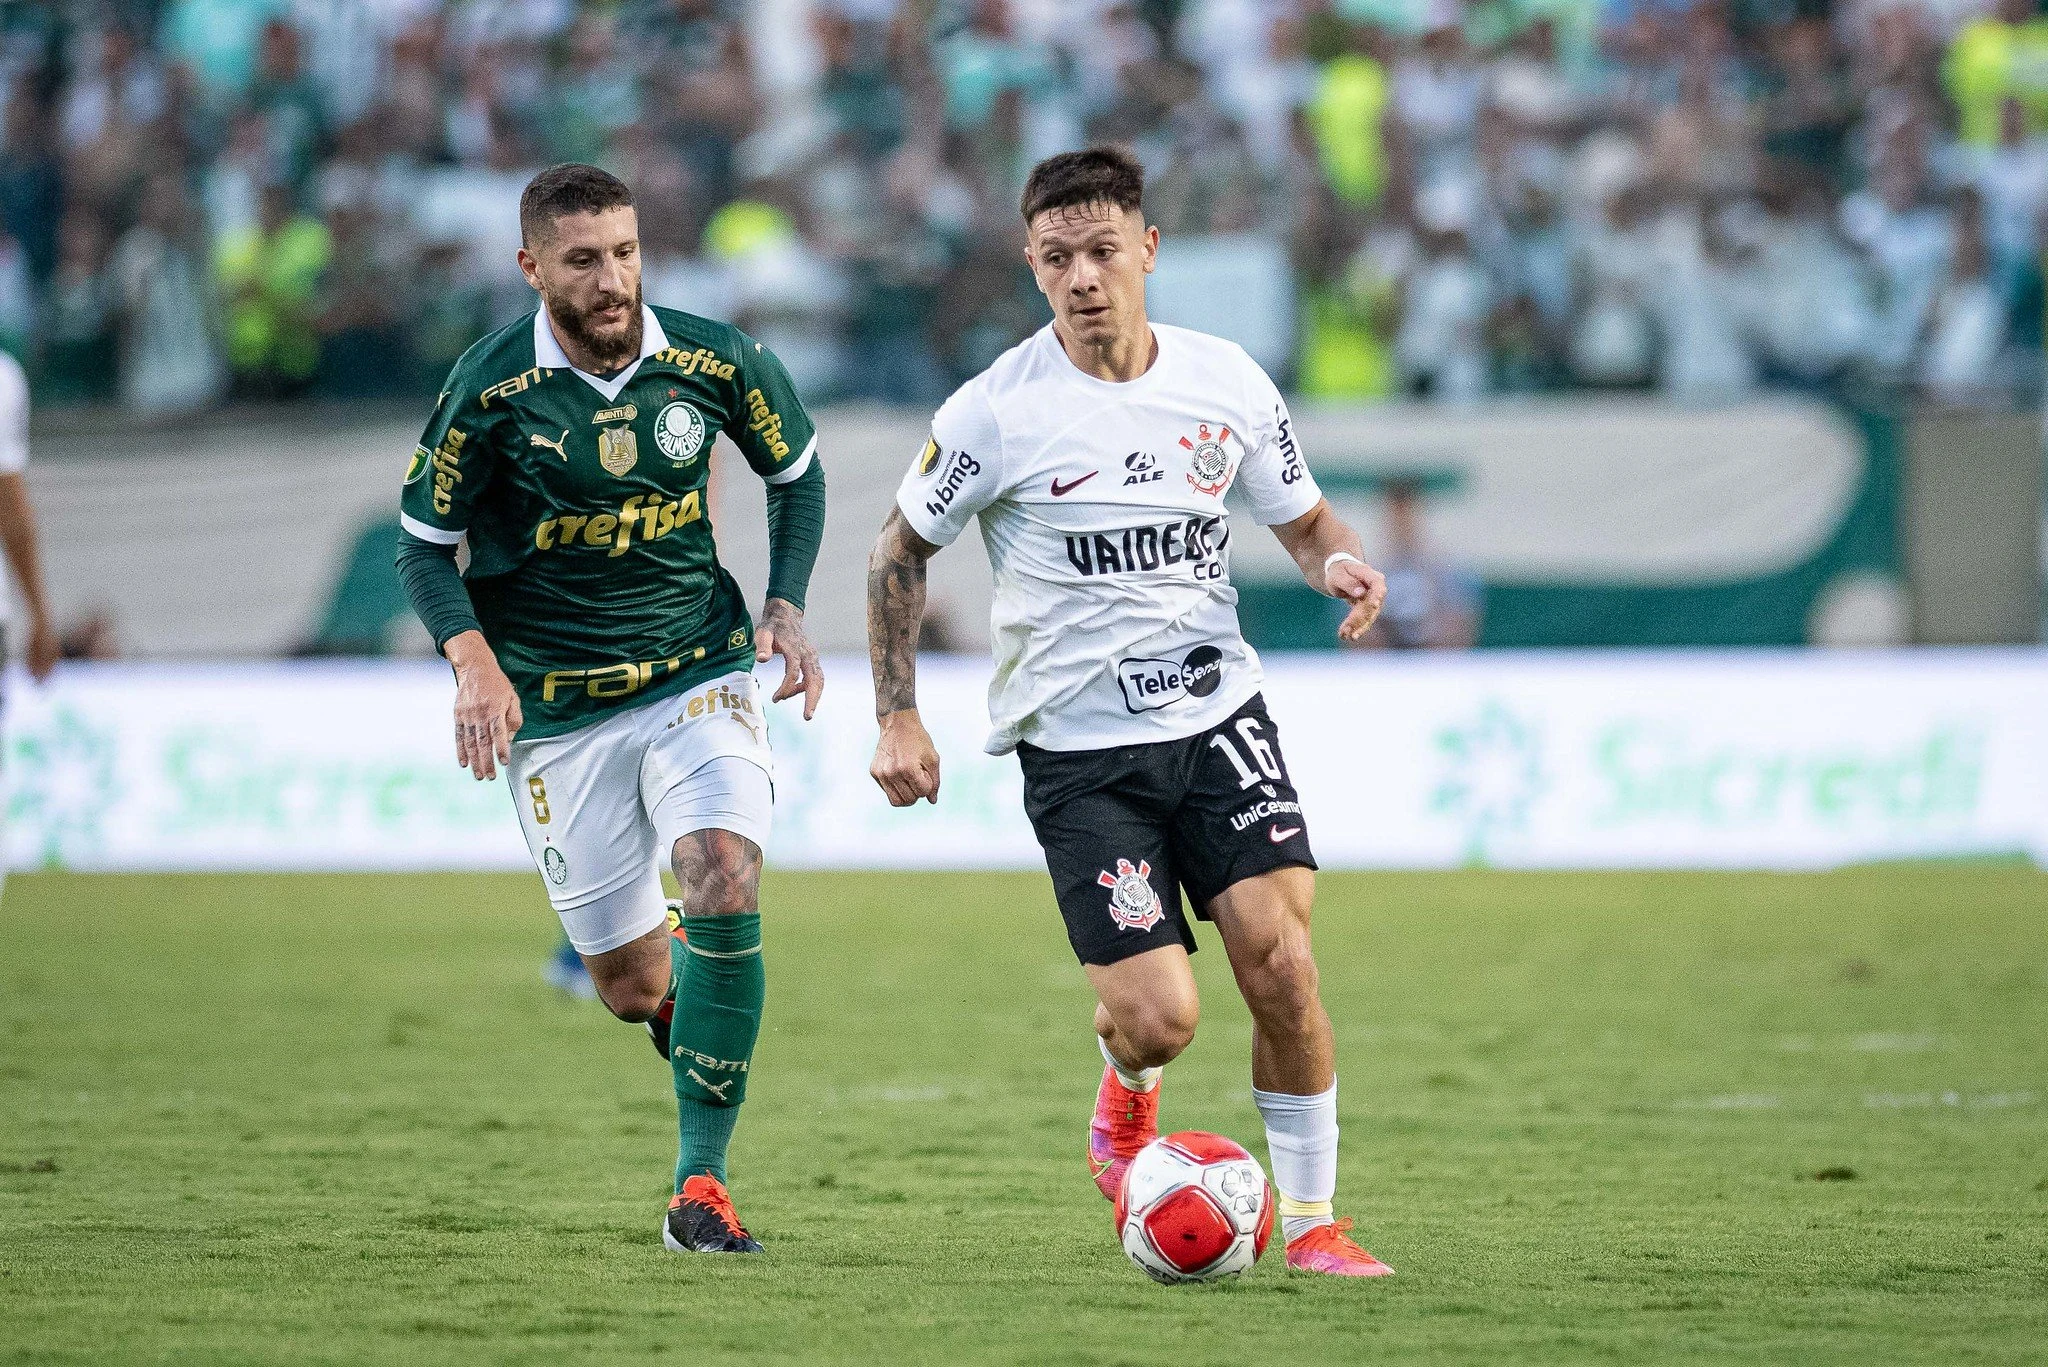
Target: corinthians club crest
{"x":1209,"y":459}
{"x":617,"y":449}
{"x":1133,"y":904}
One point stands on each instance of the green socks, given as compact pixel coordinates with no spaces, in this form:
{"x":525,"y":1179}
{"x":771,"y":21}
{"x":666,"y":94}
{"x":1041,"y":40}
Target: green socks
{"x":719,"y":986}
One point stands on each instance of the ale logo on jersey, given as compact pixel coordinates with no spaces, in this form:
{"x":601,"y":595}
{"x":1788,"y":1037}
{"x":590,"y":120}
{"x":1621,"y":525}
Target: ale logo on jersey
{"x":1152,"y":684}
{"x":1133,"y":902}
{"x":679,"y":432}
{"x":1208,"y":459}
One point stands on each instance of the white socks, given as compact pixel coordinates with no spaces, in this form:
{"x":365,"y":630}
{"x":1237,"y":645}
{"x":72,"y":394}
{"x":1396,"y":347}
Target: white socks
{"x":1301,"y":1137}
{"x":1143,"y":1080}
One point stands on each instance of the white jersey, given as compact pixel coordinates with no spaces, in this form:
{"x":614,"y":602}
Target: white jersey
{"x":13,"y":439}
{"x":1101,"y":505}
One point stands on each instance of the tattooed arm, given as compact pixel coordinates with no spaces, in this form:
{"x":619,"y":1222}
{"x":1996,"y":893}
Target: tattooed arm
{"x":906,"y":763}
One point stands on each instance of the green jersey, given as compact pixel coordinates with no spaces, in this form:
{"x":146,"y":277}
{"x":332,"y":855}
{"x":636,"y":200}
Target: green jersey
{"x":592,"y":567}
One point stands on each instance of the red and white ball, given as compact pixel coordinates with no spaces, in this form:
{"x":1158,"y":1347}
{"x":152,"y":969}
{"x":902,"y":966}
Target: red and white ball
{"x":1194,"y":1207}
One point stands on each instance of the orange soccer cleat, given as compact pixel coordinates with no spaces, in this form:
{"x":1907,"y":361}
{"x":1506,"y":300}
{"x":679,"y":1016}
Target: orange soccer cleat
{"x":1329,"y":1249}
{"x":1124,"y":1122}
{"x":701,"y":1220}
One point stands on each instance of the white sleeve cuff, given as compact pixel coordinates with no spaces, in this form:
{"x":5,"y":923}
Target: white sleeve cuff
{"x":803,"y":463}
{"x":440,"y":536}
{"x":1304,"y":496}
{"x":921,"y":521}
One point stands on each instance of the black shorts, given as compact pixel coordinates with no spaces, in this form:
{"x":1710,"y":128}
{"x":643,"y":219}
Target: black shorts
{"x":1125,"y":830}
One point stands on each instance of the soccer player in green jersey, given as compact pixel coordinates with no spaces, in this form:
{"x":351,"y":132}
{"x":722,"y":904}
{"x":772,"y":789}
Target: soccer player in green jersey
{"x":603,"y":657}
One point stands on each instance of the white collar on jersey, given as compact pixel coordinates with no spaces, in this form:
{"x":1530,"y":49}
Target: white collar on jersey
{"x":548,"y":353}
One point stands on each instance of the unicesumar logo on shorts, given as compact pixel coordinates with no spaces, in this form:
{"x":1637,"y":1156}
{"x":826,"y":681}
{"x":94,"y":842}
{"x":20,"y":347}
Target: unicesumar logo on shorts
{"x":1133,"y":904}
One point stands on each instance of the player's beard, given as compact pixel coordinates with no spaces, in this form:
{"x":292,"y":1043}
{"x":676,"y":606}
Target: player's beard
{"x":610,"y":349}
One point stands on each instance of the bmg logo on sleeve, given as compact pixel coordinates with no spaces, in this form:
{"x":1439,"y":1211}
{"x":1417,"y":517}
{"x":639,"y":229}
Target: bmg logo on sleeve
{"x":960,"y":467}
{"x":1152,"y":684}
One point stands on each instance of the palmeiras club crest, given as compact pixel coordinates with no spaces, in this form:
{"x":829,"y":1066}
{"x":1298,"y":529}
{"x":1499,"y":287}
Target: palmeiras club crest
{"x":1133,"y":905}
{"x":1208,"y":458}
{"x":679,"y":432}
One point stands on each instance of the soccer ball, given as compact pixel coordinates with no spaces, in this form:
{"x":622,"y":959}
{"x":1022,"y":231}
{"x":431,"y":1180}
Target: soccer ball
{"x":1194,"y":1207}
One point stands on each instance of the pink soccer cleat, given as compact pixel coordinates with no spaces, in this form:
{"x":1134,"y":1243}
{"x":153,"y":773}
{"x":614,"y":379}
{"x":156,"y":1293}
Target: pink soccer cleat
{"x":1124,"y":1122}
{"x":1329,"y":1249}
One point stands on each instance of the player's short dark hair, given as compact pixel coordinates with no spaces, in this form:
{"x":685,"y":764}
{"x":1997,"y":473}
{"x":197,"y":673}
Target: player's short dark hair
{"x":571,"y":188}
{"x":1098,"y":175}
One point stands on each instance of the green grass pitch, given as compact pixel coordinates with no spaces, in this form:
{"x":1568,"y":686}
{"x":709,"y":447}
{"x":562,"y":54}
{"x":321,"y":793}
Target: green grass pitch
{"x":1588,"y":1118}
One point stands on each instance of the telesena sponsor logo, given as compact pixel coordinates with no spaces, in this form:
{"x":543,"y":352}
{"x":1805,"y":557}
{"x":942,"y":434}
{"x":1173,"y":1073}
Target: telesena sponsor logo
{"x":1152,"y":684}
{"x":960,"y":467}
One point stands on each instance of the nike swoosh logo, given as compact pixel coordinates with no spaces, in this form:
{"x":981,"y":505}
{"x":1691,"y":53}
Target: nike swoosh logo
{"x":1277,"y":834}
{"x":1060,"y":490}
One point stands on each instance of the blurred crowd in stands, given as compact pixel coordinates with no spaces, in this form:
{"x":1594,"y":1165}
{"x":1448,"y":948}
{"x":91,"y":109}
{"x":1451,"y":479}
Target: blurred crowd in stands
{"x":206,"y":199}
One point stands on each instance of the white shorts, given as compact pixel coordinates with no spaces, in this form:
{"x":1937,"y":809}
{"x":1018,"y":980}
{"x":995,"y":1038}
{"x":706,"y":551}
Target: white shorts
{"x":602,"y":806}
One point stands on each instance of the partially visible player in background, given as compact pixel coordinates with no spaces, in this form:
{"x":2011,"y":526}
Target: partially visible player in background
{"x":602,"y":654}
{"x":1097,"y":455}
{"x":564,"y":971}
{"x":18,"y":529}
{"x":1431,"y":604}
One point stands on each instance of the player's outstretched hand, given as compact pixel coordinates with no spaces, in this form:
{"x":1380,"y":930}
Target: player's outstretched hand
{"x":1365,"y":588}
{"x":487,"y":713}
{"x":906,"y":762}
{"x":782,"y":633}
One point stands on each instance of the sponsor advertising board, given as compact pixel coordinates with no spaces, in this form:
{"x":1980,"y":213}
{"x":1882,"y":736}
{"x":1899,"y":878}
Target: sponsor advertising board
{"x":1516,"y":760}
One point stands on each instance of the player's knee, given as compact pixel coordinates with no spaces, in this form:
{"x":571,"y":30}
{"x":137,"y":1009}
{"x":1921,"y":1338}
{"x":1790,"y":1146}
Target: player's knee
{"x":633,"y":999}
{"x":1158,"y":1034}
{"x":721,"y":892}
{"x":720,"y":873}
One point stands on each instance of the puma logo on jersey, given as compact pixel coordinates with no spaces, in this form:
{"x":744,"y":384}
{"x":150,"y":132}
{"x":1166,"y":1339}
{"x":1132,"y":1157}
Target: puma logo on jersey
{"x":554,"y":445}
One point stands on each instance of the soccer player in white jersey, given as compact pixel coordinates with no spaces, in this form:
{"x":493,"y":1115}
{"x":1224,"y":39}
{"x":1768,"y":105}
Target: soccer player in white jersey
{"x":1097,"y":455}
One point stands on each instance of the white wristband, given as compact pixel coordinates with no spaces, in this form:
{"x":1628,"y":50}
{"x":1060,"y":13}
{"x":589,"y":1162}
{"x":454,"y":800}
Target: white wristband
{"x":1337,"y":558}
